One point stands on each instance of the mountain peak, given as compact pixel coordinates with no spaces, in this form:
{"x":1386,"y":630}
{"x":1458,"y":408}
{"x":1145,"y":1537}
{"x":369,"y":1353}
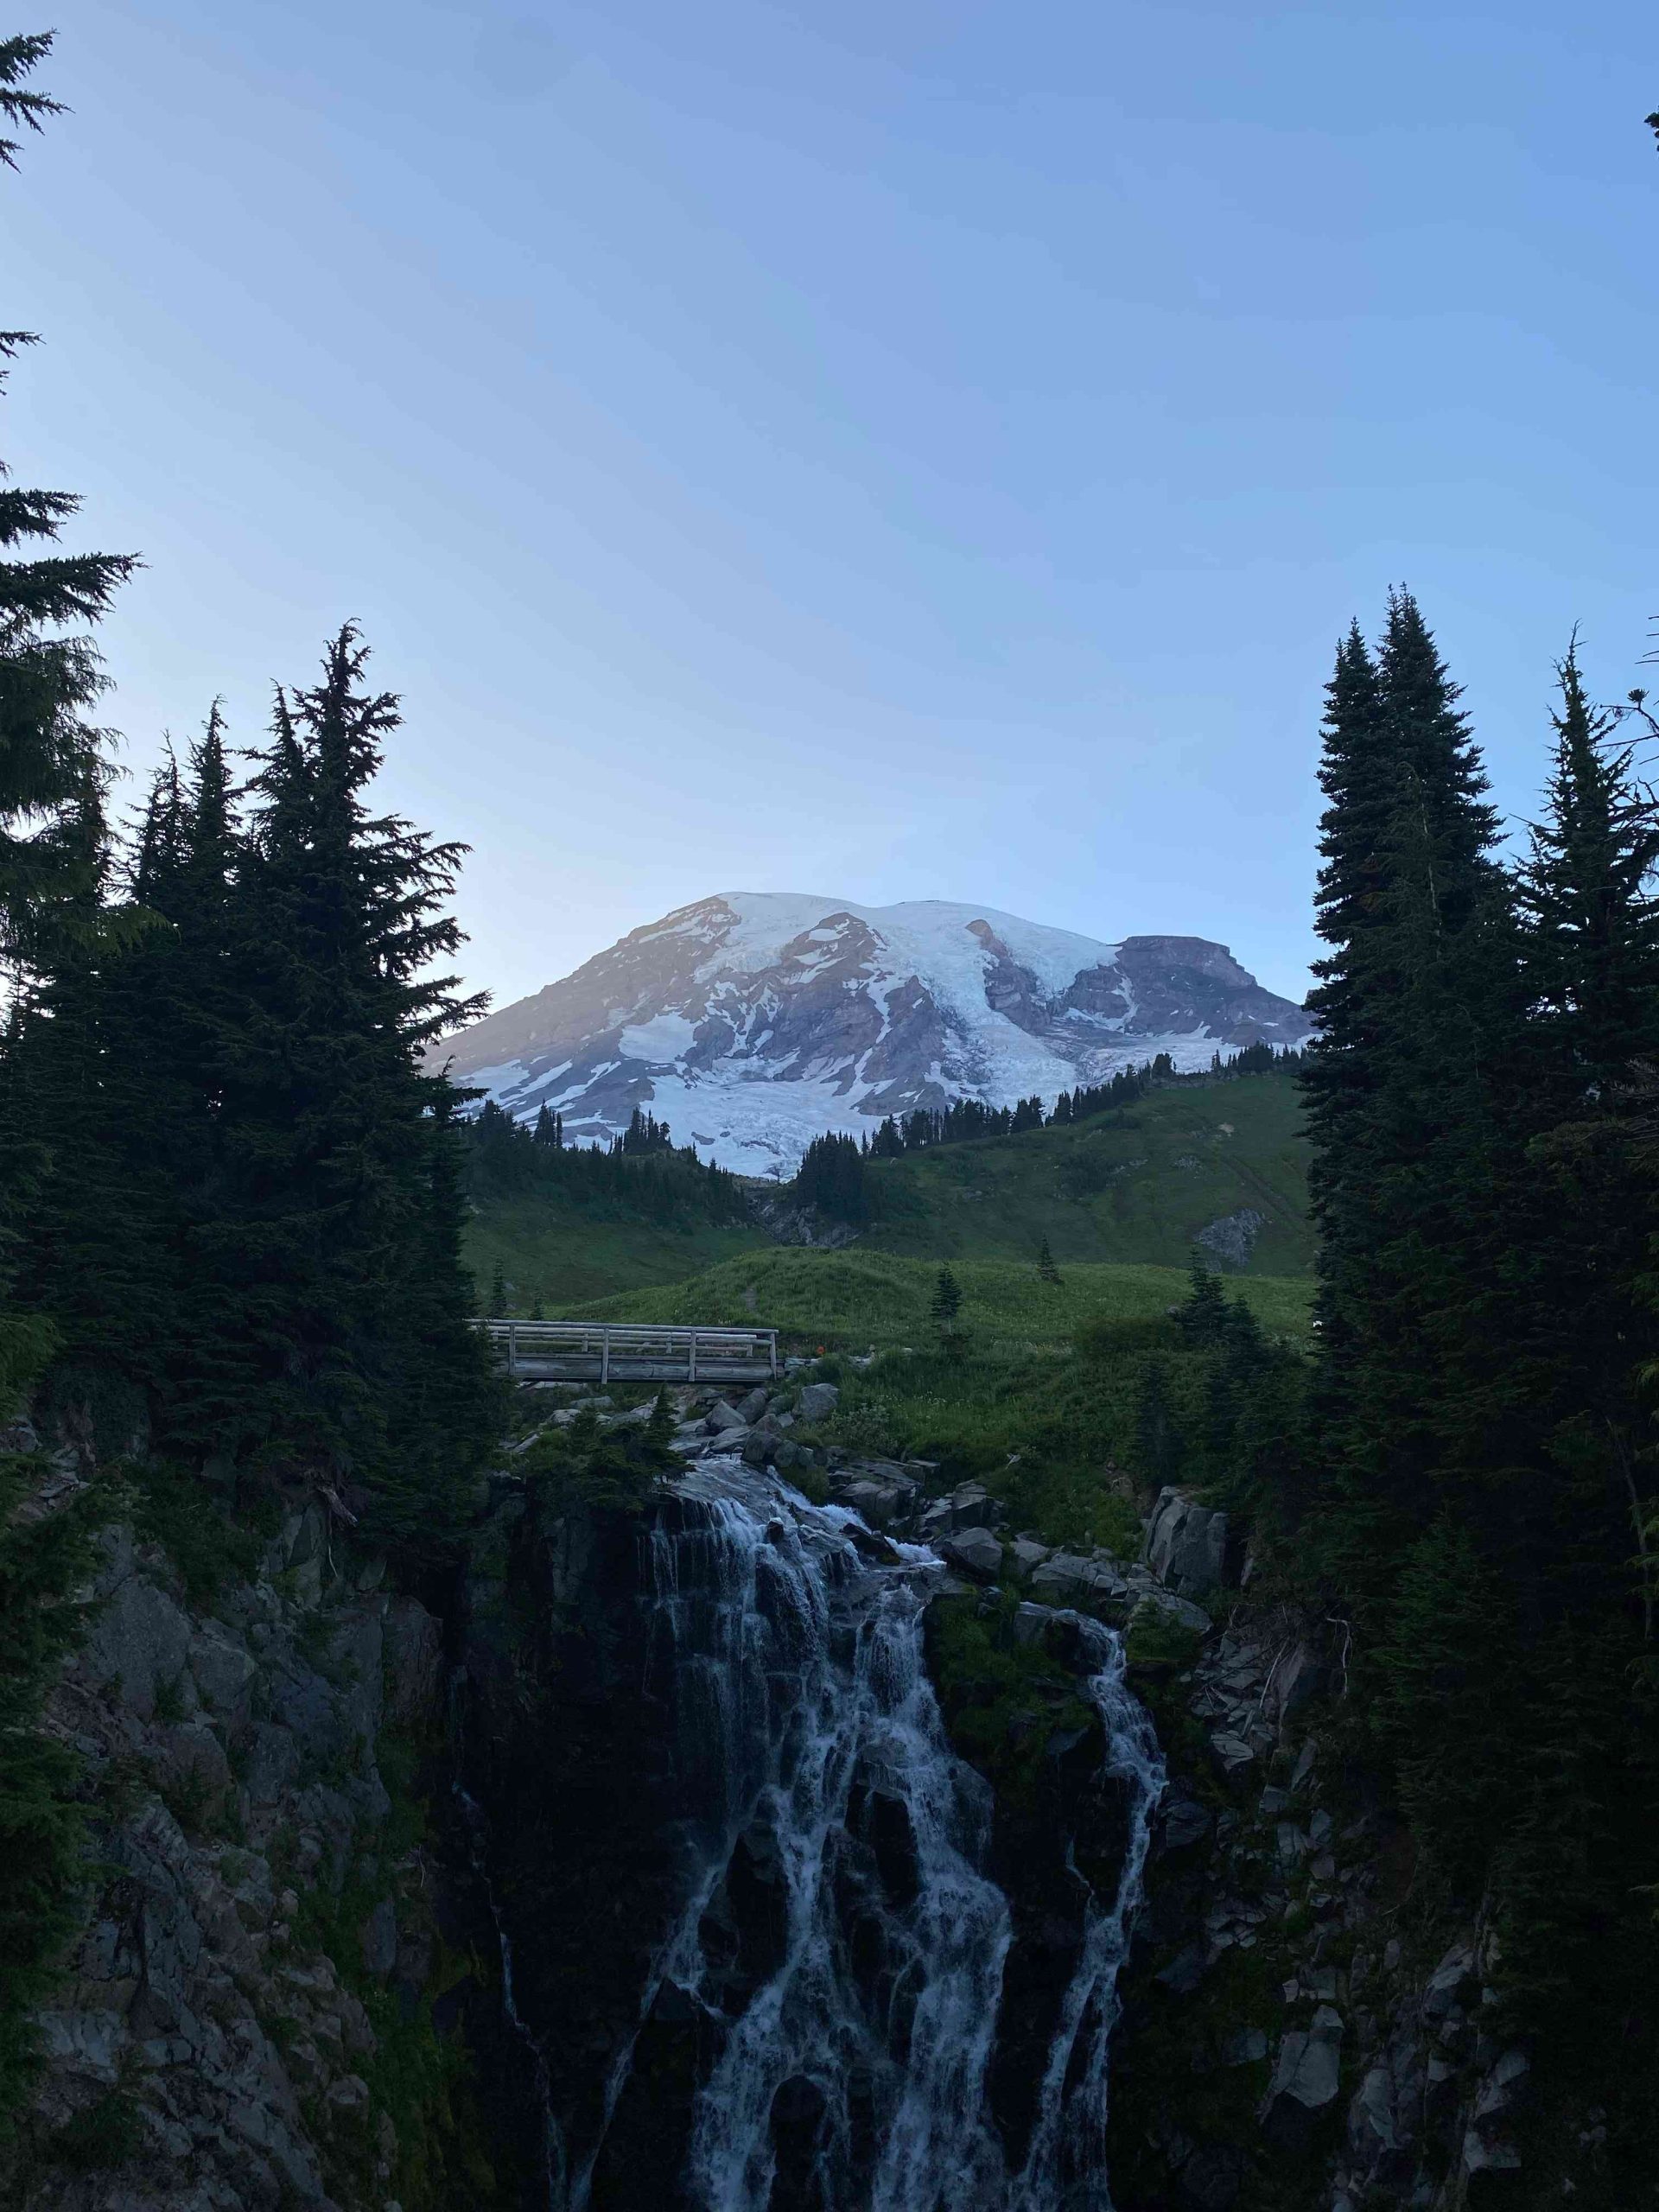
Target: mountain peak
{"x":754,"y":1021}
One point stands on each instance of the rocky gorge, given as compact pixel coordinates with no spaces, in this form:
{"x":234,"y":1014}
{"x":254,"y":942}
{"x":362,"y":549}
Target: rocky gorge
{"x":792,"y":1834}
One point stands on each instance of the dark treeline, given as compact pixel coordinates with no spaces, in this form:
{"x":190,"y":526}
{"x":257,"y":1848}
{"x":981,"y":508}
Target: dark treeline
{"x":640,"y":1174}
{"x":966,"y":1119}
{"x":1472,"y":1495}
{"x":231,"y":1195}
{"x":243,"y":1221}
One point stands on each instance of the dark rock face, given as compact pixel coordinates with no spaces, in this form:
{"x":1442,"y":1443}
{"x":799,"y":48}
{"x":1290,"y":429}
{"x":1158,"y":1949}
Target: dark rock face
{"x":571,"y":1752}
{"x":1292,"y":2036}
{"x":754,"y":1021}
{"x":220,"y":2042}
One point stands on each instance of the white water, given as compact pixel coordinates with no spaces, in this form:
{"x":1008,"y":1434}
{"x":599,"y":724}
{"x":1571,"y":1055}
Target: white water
{"x":1066,"y":2164}
{"x":791,"y":1646}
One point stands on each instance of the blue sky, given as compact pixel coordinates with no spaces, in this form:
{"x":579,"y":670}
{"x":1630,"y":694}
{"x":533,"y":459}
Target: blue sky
{"x":893,"y":448}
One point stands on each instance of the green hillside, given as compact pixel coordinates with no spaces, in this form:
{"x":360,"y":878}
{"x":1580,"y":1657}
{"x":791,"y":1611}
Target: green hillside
{"x":855,"y":1298}
{"x":561,"y":1254}
{"x":1136,"y":1184}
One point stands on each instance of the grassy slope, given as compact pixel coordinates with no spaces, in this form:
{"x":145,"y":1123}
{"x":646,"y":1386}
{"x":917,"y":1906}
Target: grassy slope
{"x":855,"y":1298}
{"x":1129,"y":1187}
{"x":1135,"y":1185}
{"x":547,"y":1247}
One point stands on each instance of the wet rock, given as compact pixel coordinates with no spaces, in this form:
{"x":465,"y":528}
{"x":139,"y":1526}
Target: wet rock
{"x":878,"y":1502}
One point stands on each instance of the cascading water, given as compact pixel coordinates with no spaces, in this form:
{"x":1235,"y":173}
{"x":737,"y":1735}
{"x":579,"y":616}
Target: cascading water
{"x":1066,"y":2164}
{"x":841,"y":1945}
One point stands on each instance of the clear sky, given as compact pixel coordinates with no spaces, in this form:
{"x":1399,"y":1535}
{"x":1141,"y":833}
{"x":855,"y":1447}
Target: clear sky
{"x":902,"y":449}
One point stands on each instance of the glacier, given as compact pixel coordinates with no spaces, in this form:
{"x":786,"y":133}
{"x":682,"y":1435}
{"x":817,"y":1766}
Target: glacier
{"x":753,"y":1021}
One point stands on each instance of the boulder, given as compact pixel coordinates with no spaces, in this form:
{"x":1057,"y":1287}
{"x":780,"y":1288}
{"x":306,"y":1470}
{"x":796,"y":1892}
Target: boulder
{"x":1296,"y":1682}
{"x":1031,"y":1623}
{"x":1243,"y":2046}
{"x":970,"y":1506}
{"x":876,"y":1503}
{"x":1027,"y":1553}
{"x":722,"y":1416}
{"x":1306,"y":2078}
{"x":819,"y":1400}
{"x":1452,"y":1981}
{"x":1186,"y":1543}
{"x":976,"y":1552}
{"x":1183,"y":1819}
{"x":749,"y":1408}
{"x":1164,"y":1604}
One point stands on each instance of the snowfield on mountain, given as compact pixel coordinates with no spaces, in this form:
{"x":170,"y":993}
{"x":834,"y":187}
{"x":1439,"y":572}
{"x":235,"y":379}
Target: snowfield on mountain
{"x":754,"y":1021}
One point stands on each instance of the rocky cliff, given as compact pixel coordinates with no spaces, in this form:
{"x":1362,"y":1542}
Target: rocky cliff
{"x":287,"y":1973}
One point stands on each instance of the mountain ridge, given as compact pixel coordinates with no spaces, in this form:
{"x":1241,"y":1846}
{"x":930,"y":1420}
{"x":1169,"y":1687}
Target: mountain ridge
{"x":752,"y":1022}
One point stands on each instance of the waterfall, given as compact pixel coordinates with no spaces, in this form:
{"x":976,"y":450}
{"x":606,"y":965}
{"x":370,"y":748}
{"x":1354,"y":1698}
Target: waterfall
{"x":1066,"y":2164}
{"x":840,"y":1936}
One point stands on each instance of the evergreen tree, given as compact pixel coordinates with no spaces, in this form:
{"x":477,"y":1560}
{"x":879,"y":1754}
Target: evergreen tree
{"x":1157,"y":1447}
{"x":94,"y":1250}
{"x":1417,"y":1002}
{"x":1046,"y":1270}
{"x":831,"y":1179}
{"x":498,"y":1292}
{"x":1203,"y":1316}
{"x":52,"y":758}
{"x":53,"y":855}
{"x":339,"y":1339}
{"x":946,"y":1305}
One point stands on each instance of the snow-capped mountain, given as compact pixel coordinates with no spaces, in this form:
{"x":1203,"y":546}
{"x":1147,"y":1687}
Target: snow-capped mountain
{"x":754,"y":1021}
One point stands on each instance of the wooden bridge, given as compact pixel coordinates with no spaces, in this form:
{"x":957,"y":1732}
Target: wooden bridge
{"x":614,"y":1352}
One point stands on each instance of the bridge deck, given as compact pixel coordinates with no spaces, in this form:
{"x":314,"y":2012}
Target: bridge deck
{"x":614,"y":1352}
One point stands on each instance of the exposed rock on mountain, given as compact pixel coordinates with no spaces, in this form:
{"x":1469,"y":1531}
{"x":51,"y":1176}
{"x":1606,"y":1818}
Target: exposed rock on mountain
{"x":754,"y":1021}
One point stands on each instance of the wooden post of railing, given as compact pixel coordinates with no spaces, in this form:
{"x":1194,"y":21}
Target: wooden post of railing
{"x":513,"y":1348}
{"x":692,"y":1359}
{"x":605,"y":1354}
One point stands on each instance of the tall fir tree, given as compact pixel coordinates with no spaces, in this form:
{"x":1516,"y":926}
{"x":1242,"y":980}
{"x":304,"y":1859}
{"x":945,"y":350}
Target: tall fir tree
{"x":337,"y":1339}
{"x":1416,"y":1001}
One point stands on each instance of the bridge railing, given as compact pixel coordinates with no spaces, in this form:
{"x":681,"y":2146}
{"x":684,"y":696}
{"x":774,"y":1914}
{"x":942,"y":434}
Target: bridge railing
{"x":631,"y":1351}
